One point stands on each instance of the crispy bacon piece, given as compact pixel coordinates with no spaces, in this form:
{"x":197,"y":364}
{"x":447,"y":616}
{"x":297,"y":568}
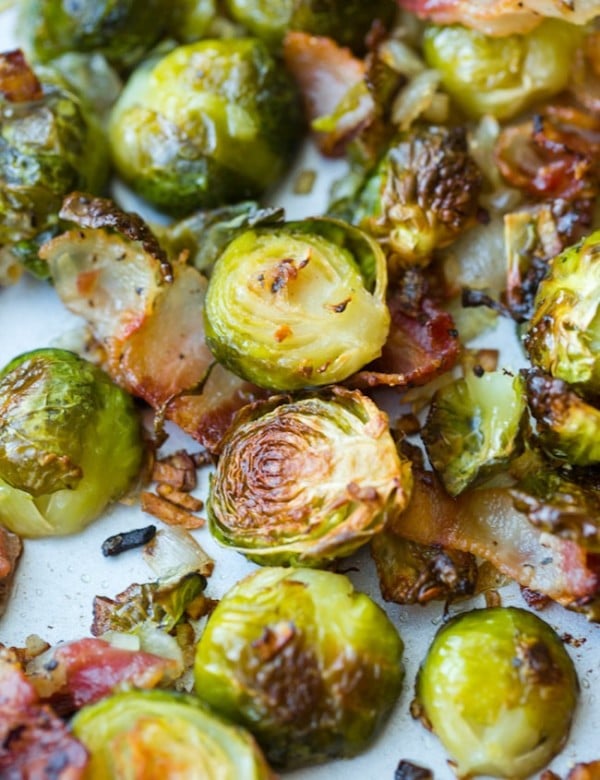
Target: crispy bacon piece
{"x":18,"y":82}
{"x":502,"y":17}
{"x":485,"y":523}
{"x":73,"y":674}
{"x":420,"y":346}
{"x":146,"y":314}
{"x":34,"y":742}
{"x":556,"y":155}
{"x":328,"y":74}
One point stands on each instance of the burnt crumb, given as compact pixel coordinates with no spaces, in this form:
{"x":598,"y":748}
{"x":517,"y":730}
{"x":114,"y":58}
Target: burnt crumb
{"x":573,"y":641}
{"x":534,"y":599}
{"x":128,"y":540}
{"x":478,"y":370}
{"x":406,"y":770}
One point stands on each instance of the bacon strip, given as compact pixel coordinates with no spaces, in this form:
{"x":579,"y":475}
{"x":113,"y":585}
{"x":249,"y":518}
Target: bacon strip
{"x":146,"y":315}
{"x":327,"y":75}
{"x":420,"y":346}
{"x":34,"y":742}
{"x":73,"y":674}
{"x":485,"y":522}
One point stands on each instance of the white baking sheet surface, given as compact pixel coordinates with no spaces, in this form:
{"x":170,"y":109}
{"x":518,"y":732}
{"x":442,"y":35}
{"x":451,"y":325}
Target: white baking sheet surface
{"x":58,"y":578}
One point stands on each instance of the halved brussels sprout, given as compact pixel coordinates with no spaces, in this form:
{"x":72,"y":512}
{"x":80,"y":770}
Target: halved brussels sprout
{"x":499,"y":690}
{"x":298,"y":305}
{"x":564,"y":334}
{"x":122,"y":30}
{"x":210,"y":123}
{"x":474,"y":427}
{"x":50,"y":144}
{"x":310,"y":666}
{"x":70,"y":442}
{"x":502,"y":75}
{"x":164,"y":735}
{"x":346,"y":21}
{"x":296,"y":481}
{"x":423,"y":194}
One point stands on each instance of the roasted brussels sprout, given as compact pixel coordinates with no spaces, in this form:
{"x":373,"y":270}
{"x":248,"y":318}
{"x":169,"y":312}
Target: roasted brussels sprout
{"x":473,"y":427}
{"x":296,"y":483}
{"x":346,"y":21}
{"x":122,"y":30}
{"x":50,"y":144}
{"x":298,"y":305}
{"x":564,"y":334}
{"x":422,"y":196}
{"x":70,"y":442}
{"x":158,"y":734}
{"x":210,"y":123}
{"x":568,"y":428}
{"x":502,"y":76}
{"x":311,"y":667}
{"x":499,"y":689}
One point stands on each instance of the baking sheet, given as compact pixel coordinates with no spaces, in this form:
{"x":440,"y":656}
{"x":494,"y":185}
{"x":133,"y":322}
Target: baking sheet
{"x":58,"y":578}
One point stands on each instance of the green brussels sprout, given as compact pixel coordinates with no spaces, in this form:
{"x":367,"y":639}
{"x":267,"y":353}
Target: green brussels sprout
{"x":122,"y":30}
{"x":423,"y":194}
{"x":295,"y":482}
{"x":499,"y":689}
{"x":210,"y":123}
{"x":50,"y":144}
{"x":308,"y":665}
{"x":474,"y":427}
{"x":564,"y":333}
{"x":192,"y":20}
{"x":567,"y":428}
{"x":346,"y":21}
{"x":159,"y":734}
{"x":299,"y":304}
{"x":502,"y":75}
{"x":70,"y":442}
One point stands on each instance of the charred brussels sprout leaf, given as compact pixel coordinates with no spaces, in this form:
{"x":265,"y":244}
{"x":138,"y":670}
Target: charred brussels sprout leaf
{"x":70,"y":442}
{"x":502,"y":76}
{"x":203,"y":236}
{"x":346,"y":21}
{"x":210,"y":123}
{"x":311,"y":667}
{"x":499,"y":689}
{"x":298,"y":305}
{"x":568,"y":428}
{"x":159,"y":734}
{"x":297,"y":483}
{"x":122,"y":30}
{"x":474,"y":427}
{"x":564,"y":334}
{"x":163,"y":603}
{"x":422,"y":196}
{"x":50,"y":144}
